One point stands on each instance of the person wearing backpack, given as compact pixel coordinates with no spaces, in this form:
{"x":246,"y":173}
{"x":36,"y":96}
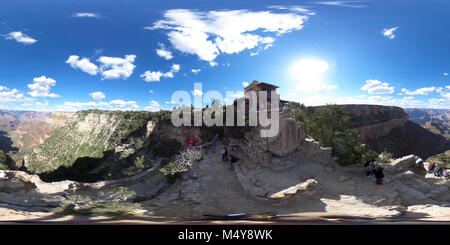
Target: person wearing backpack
{"x":379,"y":175}
{"x":370,"y":167}
{"x":224,"y":155}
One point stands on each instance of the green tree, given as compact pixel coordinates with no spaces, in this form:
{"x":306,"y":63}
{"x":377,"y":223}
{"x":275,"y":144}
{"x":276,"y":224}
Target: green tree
{"x":331,"y":126}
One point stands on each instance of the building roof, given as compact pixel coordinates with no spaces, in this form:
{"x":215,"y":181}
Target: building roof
{"x":260,"y":84}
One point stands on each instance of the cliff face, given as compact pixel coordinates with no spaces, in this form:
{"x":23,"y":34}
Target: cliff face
{"x":389,"y":128}
{"x":29,"y":135}
{"x":85,"y":134}
{"x":373,"y":121}
{"x":423,"y":116}
{"x":10,"y":120}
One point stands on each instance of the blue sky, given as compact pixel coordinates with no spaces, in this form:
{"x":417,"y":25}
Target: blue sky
{"x":71,"y":55}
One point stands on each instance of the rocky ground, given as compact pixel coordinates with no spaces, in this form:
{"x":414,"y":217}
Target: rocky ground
{"x":212,"y":189}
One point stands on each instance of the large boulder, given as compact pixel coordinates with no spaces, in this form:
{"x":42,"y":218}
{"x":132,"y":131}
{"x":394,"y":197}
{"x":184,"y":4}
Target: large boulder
{"x":291,"y":135}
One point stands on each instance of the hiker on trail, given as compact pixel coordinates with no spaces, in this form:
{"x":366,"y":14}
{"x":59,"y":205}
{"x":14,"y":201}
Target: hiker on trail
{"x":419,"y":162}
{"x":3,"y":175}
{"x":233,"y":159}
{"x":430,"y":168}
{"x":379,"y":175}
{"x":445,"y":174}
{"x":437,"y":171}
{"x":213,"y":146}
{"x":224,"y":155}
{"x":370,"y":167}
{"x":225,"y":137}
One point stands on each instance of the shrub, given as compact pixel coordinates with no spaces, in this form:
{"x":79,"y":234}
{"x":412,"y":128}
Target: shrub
{"x":385,"y":156}
{"x":173,"y":168}
{"x":330,"y":125}
{"x":183,"y":162}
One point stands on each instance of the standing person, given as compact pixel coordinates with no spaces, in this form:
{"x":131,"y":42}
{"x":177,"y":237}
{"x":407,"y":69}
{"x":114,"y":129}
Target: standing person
{"x":224,"y":155}
{"x":445,"y":174}
{"x":437,"y":171}
{"x":370,"y":167}
{"x":419,"y":162}
{"x":213,"y":146}
{"x":225,"y":137}
{"x":379,"y":175}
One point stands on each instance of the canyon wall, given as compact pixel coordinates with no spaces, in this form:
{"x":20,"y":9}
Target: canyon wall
{"x":389,"y":128}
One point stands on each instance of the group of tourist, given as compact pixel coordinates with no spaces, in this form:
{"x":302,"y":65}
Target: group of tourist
{"x":211,"y":146}
{"x":374,"y":169}
{"x":432,"y":167}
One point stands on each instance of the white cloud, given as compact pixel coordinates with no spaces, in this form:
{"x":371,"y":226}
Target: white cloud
{"x":294,"y":8}
{"x":152,"y":76}
{"x":420,"y":91}
{"x":349,"y":4}
{"x":11,"y":95}
{"x":84,"y":64}
{"x":114,"y":67}
{"x":377,"y":87}
{"x":389,"y":33}
{"x":245,"y":84}
{"x":445,"y":74}
{"x":40,"y":104}
{"x":195,"y":71}
{"x":20,"y":37}
{"x":87,"y":15}
{"x":122,"y":103}
{"x":208,"y":34}
{"x":110,"y":68}
{"x":151,"y":91}
{"x":41,"y":87}
{"x":163,"y":52}
{"x":112,"y":105}
{"x":153,"y":106}
{"x":97,"y":95}
{"x":155,"y":76}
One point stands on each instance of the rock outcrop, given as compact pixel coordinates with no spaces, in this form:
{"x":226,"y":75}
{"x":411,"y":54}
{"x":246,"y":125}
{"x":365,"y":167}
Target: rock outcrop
{"x":276,"y":152}
{"x":389,"y":128}
{"x":306,"y":188}
{"x":373,"y":121}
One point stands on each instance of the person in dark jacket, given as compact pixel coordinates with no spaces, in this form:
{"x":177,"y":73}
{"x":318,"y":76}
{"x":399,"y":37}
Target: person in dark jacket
{"x":379,"y":175}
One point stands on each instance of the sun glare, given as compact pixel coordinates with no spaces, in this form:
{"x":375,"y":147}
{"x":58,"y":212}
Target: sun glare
{"x":307,"y":74}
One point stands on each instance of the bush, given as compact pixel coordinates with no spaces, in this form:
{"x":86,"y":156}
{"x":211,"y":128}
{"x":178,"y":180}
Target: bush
{"x":182,"y":163}
{"x":173,"y":168}
{"x":330,"y":125}
{"x":385,"y":157}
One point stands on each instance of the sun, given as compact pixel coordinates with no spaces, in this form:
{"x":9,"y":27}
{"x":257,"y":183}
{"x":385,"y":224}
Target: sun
{"x":307,"y":73}
{"x":308,"y":69}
